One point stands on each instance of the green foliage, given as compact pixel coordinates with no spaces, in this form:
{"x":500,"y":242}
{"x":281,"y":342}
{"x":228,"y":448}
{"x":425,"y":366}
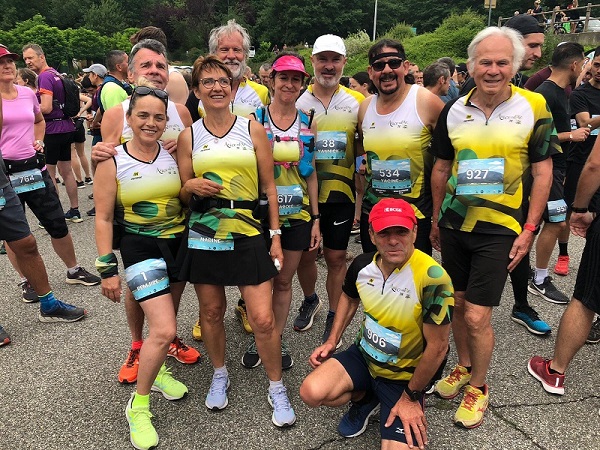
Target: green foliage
{"x":106,"y":17}
{"x":86,"y":44}
{"x":401,"y":32}
{"x":358,"y":42}
{"x":120,"y":40}
{"x":53,"y":42}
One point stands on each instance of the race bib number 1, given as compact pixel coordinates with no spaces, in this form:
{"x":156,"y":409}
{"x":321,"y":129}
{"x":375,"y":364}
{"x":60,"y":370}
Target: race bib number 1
{"x":480,"y":176}
{"x":331,"y":145}
{"x":380,"y":343}
{"x":147,"y":277}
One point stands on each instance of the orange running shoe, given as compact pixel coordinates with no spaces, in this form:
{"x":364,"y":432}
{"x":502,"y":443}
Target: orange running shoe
{"x":562,"y":265}
{"x":183,"y":353}
{"x":129,"y":370}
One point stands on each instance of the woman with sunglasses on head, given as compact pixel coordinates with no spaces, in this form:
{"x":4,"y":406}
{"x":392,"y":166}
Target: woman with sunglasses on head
{"x":292,"y":137}
{"x":139,"y":189}
{"x":226,"y":166}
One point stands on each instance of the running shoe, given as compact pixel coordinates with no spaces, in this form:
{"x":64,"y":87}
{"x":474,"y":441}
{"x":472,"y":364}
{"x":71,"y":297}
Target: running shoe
{"x":548,"y":291}
{"x":80,"y":185}
{"x":216,"y":398}
{"x":242,"y":315}
{"x":306,"y":314}
{"x":528,"y":317}
{"x":286,"y":359}
{"x":141,"y":431}
{"x":283,"y":413}
{"x":562,"y":265}
{"x":472,"y":408}
{"x":594,"y":334}
{"x":183,"y":353}
{"x":355,"y":227}
{"x":129,"y":370}
{"x":250,"y":359}
{"x":4,"y":337}
{"x":539,"y":368}
{"x":82,"y":276}
{"x":197,"y":331}
{"x":2,"y":248}
{"x":62,"y":312}
{"x":28,"y":295}
{"x":91,"y":196}
{"x":73,"y":215}
{"x":91,"y":212}
{"x":450,"y":386}
{"x":88,"y":181}
{"x":355,"y":421}
{"x":169,"y":387}
{"x":327,"y":332}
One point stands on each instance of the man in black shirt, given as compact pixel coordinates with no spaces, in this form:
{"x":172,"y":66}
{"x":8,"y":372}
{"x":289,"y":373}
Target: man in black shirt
{"x":567,"y":62}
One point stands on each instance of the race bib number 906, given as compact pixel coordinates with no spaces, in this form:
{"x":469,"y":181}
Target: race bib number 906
{"x":380,"y":343}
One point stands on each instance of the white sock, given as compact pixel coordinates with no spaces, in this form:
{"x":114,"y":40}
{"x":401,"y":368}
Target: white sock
{"x":275,"y":384}
{"x":222,"y":371}
{"x":540,"y":275}
{"x":72,"y":270}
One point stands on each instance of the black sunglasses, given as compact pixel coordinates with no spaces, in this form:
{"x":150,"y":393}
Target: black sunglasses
{"x":158,"y":93}
{"x":378,"y":66}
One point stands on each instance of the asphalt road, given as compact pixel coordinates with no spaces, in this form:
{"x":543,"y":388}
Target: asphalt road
{"x":59,"y":388}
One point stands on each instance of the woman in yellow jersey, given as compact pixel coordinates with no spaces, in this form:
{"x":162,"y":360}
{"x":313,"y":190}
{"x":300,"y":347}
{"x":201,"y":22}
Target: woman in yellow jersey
{"x":292,"y":136}
{"x":139,"y":188}
{"x":226,"y":168}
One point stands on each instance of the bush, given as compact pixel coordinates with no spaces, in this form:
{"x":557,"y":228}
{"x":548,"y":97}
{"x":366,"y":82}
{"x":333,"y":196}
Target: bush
{"x":358,"y":42}
{"x":401,"y":32}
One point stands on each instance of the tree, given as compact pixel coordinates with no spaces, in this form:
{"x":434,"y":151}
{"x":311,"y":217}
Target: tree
{"x":51,"y":39}
{"x":106,"y":17}
{"x":86,"y":44}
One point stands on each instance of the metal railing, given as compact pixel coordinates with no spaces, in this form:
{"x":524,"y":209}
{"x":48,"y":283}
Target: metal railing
{"x":579,"y":25}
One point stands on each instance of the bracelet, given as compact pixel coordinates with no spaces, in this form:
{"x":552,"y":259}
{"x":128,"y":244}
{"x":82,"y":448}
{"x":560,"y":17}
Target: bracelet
{"x":273,"y":233}
{"x":575,"y":209}
{"x":570,"y":137}
{"x":315,"y":216}
{"x":531,"y":227}
{"x":107,"y":265}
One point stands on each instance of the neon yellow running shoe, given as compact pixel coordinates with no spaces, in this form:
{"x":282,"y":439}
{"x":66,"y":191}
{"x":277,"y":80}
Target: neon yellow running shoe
{"x":170,"y":388}
{"x":142,"y":434}
{"x":450,"y":386}
{"x":197,"y":331}
{"x":472,"y":408}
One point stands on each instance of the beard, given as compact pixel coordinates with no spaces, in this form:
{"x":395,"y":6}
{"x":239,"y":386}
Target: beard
{"x":328,"y":83}
{"x":390,"y":90}
{"x":237,"y":72}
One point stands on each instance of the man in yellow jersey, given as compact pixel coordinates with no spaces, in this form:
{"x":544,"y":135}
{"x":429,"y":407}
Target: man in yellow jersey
{"x":148,"y":59}
{"x":336,"y":113}
{"x":490,"y":184}
{"x":408,"y":302}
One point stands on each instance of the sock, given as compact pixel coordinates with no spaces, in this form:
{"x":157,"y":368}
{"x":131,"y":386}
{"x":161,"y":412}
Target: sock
{"x":468,"y":368}
{"x":275,"y":384}
{"x":311,"y":298}
{"x":241,"y":303}
{"x":221,"y":371}
{"x":136,"y":345}
{"x":552,"y":371}
{"x":23,"y":279}
{"x":330,"y":314}
{"x":141,"y":401}
{"x":540,"y":275}
{"x":481,"y":388}
{"x":47,"y":302}
{"x":72,"y":270}
{"x":562,"y":249}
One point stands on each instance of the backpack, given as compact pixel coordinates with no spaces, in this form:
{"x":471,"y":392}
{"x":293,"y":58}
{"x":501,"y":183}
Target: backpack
{"x":72,"y":104}
{"x":110,"y":79}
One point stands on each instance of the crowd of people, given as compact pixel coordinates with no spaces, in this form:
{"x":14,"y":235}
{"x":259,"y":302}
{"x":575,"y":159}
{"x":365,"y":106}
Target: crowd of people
{"x":235,"y":182}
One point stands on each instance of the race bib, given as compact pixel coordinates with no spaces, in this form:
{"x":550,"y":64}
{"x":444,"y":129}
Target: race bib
{"x":290,"y":199}
{"x":557,"y":211}
{"x":390,"y":176}
{"x":26,"y":181}
{"x":331,"y":145}
{"x":147,"y":277}
{"x":594,"y":132}
{"x":2,"y":199}
{"x":286,"y":151}
{"x":480,"y":176}
{"x":197,"y":241}
{"x":380,"y":343}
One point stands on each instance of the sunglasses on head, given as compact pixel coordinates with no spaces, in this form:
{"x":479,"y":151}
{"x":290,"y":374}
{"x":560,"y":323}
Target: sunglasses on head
{"x":378,"y":66}
{"x":209,"y":83}
{"x":158,"y":93}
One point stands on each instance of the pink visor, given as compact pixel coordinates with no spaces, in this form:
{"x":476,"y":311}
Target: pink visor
{"x":289,"y":62}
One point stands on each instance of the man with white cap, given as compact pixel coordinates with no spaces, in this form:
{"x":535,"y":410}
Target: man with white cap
{"x":408,"y":301}
{"x":336,"y":113}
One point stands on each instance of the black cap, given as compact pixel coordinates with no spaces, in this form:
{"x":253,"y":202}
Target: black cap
{"x":461,"y":68}
{"x":524,"y":24}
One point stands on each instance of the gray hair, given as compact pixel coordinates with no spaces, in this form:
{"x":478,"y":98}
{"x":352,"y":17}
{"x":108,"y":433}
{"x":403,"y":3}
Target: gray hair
{"x":432,"y":74}
{"x":150,"y":44}
{"x":232,"y":27}
{"x":515,"y":38}
{"x":266,"y":66}
{"x":35,"y":47}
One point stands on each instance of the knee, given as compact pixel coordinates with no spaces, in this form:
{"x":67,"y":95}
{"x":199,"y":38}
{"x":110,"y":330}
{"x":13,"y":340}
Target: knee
{"x":281,"y":284}
{"x":476,"y":322}
{"x":164,"y":333}
{"x":213,"y":314}
{"x":25,"y":248}
{"x":310,"y":393}
{"x":264,"y":323}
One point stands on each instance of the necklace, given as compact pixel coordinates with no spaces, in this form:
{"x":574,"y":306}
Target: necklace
{"x":131,"y":150}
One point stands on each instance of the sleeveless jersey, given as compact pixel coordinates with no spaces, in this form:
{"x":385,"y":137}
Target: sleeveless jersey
{"x":391,"y":335}
{"x":230,"y":161}
{"x":292,"y":190}
{"x":488,"y":190}
{"x":148,"y":195}
{"x":398,"y":161}
{"x":334,"y":157}
{"x":174,"y":123}
{"x":248,"y":98}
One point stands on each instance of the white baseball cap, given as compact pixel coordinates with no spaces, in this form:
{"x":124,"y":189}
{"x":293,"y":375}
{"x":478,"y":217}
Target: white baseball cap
{"x":329,"y":43}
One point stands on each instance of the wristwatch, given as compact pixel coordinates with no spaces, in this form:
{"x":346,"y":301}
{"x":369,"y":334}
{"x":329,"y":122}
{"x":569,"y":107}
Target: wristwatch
{"x":414,"y":396}
{"x":40,"y":143}
{"x":315,"y":216}
{"x":274,"y":233}
{"x":577,"y":210}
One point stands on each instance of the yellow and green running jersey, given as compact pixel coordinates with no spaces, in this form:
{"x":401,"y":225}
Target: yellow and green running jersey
{"x":336,"y":127}
{"x":391,"y":335}
{"x":148,"y":195}
{"x":248,"y":98}
{"x":230,"y":161}
{"x":398,"y":161}
{"x":488,"y":190}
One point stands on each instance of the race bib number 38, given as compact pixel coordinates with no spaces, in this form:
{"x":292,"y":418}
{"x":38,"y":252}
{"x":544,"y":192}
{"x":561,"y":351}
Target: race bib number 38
{"x":331,"y":145}
{"x":380,"y":343}
{"x":480,"y":176}
{"x":391,"y":176}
